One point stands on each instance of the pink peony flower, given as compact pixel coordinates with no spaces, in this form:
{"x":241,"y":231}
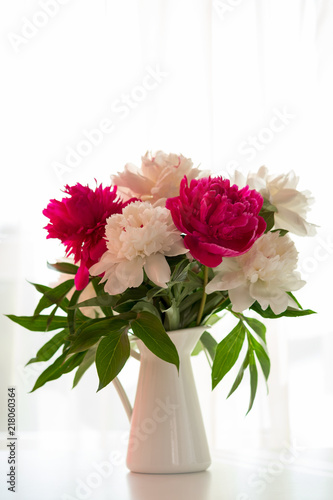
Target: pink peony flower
{"x":157,"y":179}
{"x":79,"y":223}
{"x":218,"y":220}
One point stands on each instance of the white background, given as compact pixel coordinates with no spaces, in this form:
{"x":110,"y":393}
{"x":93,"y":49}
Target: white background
{"x":225,"y":70}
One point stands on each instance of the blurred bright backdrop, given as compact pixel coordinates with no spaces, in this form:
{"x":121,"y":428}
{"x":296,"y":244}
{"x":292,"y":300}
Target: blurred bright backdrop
{"x":201,"y":78}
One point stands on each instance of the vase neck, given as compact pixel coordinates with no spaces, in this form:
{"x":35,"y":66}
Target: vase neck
{"x":185,"y":340}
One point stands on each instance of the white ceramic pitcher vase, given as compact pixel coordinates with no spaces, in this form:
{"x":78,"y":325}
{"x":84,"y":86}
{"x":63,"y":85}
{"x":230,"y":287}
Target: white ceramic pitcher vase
{"x":167,"y":432}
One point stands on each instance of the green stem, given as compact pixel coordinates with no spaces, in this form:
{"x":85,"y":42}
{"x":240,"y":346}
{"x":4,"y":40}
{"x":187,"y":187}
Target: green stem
{"x":204,"y":296}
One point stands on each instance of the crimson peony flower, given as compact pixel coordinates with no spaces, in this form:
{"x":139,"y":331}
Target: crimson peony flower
{"x":218,"y":220}
{"x":79,"y":223}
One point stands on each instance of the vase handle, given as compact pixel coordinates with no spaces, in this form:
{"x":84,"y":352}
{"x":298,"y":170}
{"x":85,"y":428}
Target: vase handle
{"x":123,"y":398}
{"x":121,"y":391}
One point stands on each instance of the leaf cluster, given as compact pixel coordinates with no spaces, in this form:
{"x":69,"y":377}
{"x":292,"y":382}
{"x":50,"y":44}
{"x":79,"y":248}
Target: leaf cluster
{"x":145,"y":313}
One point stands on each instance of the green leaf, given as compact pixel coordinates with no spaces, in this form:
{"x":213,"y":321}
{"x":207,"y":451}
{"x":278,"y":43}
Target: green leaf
{"x":87,"y":361}
{"x":143,"y":305}
{"x":269,"y":219}
{"x":63,"y":267}
{"x":257,"y":327}
{"x":212,"y":320}
{"x":190,"y":300}
{"x":267,"y":212}
{"x":253,"y":379}
{"x":50,"y":318}
{"x":60,"y":366}
{"x":209,"y":343}
{"x":111,"y":356}
{"x":52,"y":372}
{"x":289,"y":312}
{"x":155,"y":291}
{"x":294,"y":299}
{"x":282,"y":232}
{"x":150,"y":330}
{"x":227,"y":353}
{"x":261,"y":354}
{"x":212,"y":302}
{"x":99,"y":290}
{"x":194,"y":281}
{"x":172,"y":316}
{"x":268,"y":207}
{"x":39,"y":323}
{"x":53,"y":295}
{"x":223,"y":304}
{"x":189,"y":315}
{"x":197,"y":280}
{"x":197,"y":349}
{"x":73,"y":313}
{"x":180,"y":272}
{"x":129,"y":298}
{"x":240,"y":375}
{"x":63,"y":304}
{"x":50,"y":348}
{"x":40,"y":288}
{"x":101,"y":300}
{"x":90,"y":333}
{"x":86,"y":339}
{"x":133,"y":295}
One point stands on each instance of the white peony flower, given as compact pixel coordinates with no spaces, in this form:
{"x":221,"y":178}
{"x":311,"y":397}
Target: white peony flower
{"x":292,"y":205}
{"x":159,"y":177}
{"x":265,"y":273}
{"x":138,"y":238}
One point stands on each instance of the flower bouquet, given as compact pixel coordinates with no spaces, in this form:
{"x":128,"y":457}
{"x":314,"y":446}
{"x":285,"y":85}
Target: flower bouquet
{"x":169,"y":248}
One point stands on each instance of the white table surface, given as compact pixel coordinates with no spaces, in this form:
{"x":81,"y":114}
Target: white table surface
{"x":54,"y":469}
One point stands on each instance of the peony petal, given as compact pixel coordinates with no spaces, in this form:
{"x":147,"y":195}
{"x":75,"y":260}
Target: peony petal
{"x":132,"y":179}
{"x":225,"y":281}
{"x":96,"y":252}
{"x":200,"y":253}
{"x":240,"y":298}
{"x":238,"y":179}
{"x":279,"y":303}
{"x":291,"y":199}
{"x":293,"y":282}
{"x":81,"y":279}
{"x":177,"y":248}
{"x":158,"y":269}
{"x":113,"y":286}
{"x":130,"y":272}
{"x":101,"y":266}
{"x":153,"y":167}
{"x":293,"y":222}
{"x":229,"y":265}
{"x":267,"y":295}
